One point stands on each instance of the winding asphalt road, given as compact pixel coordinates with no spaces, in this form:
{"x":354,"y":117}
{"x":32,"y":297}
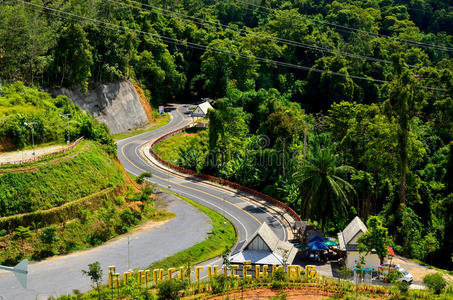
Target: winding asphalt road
{"x":246,"y":215}
{"x":62,"y":274}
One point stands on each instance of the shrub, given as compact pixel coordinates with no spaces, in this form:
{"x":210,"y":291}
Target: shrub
{"x":344,"y":272}
{"x":218,"y":284}
{"x":169,"y":289}
{"x":128,"y":217}
{"x":435,"y":282}
{"x":140,"y":179}
{"x":278,"y":279}
{"x":119,"y":200}
{"x":392,"y":276}
{"x":49,"y":235}
{"x":403,"y":286}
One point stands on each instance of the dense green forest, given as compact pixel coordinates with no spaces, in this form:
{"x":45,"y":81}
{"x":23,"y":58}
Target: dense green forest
{"x":336,"y":107}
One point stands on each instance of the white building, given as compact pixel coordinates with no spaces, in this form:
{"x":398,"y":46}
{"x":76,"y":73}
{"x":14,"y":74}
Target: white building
{"x":264,"y":248}
{"x":202,"y":109}
{"x":348,"y":241}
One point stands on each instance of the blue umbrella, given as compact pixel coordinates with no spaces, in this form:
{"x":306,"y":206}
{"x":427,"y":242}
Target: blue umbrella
{"x":314,"y":246}
{"x":316,"y":238}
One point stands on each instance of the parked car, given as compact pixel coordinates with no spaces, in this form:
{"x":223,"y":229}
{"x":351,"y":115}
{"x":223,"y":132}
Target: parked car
{"x":405,"y":276}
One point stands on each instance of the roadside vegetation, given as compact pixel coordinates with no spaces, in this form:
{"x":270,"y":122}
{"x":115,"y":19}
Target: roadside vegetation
{"x":276,"y":286}
{"x":90,"y":222}
{"x":185,"y":149}
{"x":158,"y":122}
{"x":337,"y":108}
{"x":88,"y":170}
{"x":221,"y":237}
{"x":53,"y":120}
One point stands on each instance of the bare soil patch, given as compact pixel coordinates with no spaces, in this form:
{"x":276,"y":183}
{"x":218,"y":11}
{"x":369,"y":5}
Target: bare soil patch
{"x":417,"y":271}
{"x":266,"y":293}
{"x":27,"y":154}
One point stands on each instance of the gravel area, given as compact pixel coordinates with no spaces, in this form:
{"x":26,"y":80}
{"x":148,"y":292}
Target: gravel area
{"x":27,"y":154}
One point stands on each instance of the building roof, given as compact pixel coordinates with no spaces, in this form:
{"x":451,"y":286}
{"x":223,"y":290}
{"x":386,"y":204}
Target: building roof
{"x":264,"y":247}
{"x":345,"y":237}
{"x":202,"y":109}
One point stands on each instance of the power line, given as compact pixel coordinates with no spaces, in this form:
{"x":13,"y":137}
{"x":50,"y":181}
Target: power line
{"x":203,"y":47}
{"x":203,"y":22}
{"x":343,"y":27}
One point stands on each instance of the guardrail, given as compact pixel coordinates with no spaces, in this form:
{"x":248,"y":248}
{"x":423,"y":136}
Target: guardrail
{"x":217,"y":179}
{"x":23,"y":161}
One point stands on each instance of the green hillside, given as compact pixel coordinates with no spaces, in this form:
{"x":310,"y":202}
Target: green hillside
{"x":89,"y":170}
{"x":21,"y":105}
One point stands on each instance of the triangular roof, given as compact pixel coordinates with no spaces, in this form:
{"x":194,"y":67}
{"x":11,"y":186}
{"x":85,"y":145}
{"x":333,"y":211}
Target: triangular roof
{"x":276,"y":249}
{"x":355,"y":227}
{"x":203,"y":107}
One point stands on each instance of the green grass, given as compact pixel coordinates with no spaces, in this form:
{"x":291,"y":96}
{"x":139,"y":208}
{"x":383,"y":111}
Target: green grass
{"x":108,"y":216}
{"x":168,"y":149}
{"x":161,"y":121}
{"x":221,"y":237}
{"x":60,"y":181}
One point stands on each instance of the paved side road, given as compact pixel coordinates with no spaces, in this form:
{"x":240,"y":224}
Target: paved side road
{"x":61,"y":275}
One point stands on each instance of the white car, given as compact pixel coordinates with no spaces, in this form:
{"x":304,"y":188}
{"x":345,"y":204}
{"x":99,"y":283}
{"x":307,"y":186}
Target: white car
{"x":406,"y":276}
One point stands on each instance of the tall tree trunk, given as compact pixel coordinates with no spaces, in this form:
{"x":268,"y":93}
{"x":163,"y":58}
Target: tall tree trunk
{"x":404,"y":164}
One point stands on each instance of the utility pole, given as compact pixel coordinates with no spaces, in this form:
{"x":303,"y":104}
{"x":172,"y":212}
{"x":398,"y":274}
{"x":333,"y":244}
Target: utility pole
{"x":129,"y":252}
{"x":66,"y":116}
{"x":32,"y":134}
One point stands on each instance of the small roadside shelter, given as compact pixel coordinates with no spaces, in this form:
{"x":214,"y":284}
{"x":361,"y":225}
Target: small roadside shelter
{"x":202,"y":109}
{"x":264,"y":248}
{"x":348,"y":242}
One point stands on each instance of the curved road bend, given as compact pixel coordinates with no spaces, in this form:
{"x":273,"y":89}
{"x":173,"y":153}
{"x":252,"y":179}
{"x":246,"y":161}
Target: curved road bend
{"x":245,"y":215}
{"x":62,"y":274}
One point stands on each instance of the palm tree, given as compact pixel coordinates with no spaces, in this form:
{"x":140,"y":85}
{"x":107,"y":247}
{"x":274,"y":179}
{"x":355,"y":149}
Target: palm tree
{"x":324,"y":193}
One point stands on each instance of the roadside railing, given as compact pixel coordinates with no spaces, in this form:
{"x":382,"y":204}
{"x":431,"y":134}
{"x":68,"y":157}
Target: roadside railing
{"x":217,"y":179}
{"x":38,"y":157}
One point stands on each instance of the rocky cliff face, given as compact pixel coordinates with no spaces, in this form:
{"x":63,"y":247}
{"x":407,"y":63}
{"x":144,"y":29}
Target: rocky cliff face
{"x":115,"y":104}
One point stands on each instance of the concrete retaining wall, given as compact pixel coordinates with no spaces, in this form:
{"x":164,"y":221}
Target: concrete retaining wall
{"x":115,"y":104}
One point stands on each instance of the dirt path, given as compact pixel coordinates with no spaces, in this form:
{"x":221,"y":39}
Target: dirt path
{"x":417,"y":271}
{"x":266,"y":293}
{"x":27,"y":154}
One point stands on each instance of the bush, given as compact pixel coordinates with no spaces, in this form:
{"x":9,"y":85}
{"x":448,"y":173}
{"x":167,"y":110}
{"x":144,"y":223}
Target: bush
{"x":49,"y":235}
{"x":403,"y":286}
{"x":392,"y":276}
{"x":128,"y":217}
{"x":169,"y":289}
{"x":435,"y":282}
{"x":278,"y":279}
{"x":218,"y":284}
{"x":140,"y":179}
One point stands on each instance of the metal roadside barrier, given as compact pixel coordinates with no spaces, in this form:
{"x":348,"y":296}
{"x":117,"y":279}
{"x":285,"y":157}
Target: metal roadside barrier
{"x":217,"y":179}
{"x":23,"y":161}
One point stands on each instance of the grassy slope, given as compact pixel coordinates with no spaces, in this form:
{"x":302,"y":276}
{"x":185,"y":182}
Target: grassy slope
{"x":168,"y":149}
{"x":159,"y":122}
{"x":59,"y":181}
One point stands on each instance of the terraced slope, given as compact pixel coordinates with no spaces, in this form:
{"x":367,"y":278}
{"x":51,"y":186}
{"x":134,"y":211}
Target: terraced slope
{"x":86,"y":170}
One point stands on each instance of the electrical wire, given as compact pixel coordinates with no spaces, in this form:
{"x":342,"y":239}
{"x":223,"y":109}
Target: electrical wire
{"x":203,"y":47}
{"x":347,"y":28}
{"x":204,"y":22}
